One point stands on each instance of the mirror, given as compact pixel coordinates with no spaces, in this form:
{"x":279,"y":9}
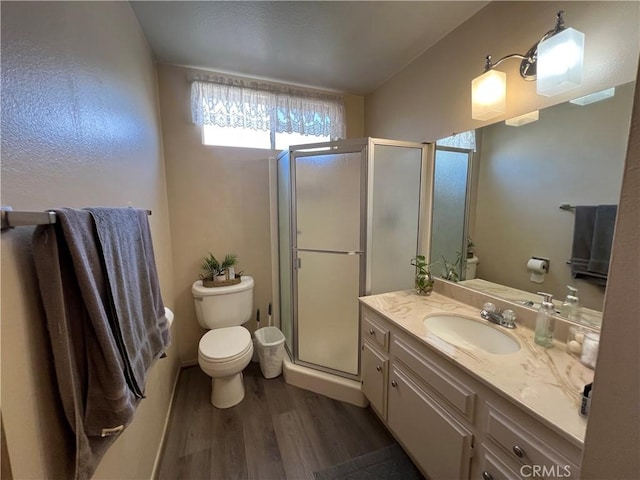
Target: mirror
{"x":518,"y":178}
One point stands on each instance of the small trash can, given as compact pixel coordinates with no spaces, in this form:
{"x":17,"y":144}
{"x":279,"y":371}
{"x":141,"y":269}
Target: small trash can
{"x":270,"y":345}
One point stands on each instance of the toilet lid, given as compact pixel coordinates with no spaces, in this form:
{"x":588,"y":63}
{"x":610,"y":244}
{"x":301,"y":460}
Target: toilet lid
{"x":224,"y":343}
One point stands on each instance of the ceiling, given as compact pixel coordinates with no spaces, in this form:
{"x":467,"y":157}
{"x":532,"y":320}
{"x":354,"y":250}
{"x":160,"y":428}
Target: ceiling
{"x":351,"y":47}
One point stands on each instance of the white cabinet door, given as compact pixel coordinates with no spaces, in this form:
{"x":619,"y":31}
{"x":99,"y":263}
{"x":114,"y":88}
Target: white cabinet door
{"x":438,"y":443}
{"x":374,"y":378}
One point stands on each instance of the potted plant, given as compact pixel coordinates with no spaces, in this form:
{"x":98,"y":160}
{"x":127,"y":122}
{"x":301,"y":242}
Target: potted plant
{"x":450,"y":270}
{"x":227,"y":266}
{"x":217,"y":273}
{"x":424,"y":280}
{"x":471,"y":248}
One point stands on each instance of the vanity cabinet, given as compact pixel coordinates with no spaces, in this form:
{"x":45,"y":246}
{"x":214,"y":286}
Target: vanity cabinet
{"x":451,"y":424}
{"x":424,"y":407}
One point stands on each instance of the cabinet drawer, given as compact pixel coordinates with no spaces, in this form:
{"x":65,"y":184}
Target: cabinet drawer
{"x":525,"y":448}
{"x":455,"y":393}
{"x":493,"y":468}
{"x":374,"y":331}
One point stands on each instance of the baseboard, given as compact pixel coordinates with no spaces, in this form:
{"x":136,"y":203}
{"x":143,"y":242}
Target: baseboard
{"x":156,"y":463}
{"x":189,"y":363}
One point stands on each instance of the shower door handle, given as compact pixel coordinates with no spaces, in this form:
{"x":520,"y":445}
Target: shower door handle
{"x":338,"y":252}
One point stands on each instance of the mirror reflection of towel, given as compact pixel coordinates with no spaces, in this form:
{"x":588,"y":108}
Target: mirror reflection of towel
{"x":604,"y":224}
{"x":592,"y":241}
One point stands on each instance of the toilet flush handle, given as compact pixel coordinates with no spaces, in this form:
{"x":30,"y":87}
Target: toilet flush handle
{"x":199,"y":299}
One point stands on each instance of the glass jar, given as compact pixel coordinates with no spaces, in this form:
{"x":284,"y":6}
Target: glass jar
{"x":575,"y":339}
{"x":590,"y":349}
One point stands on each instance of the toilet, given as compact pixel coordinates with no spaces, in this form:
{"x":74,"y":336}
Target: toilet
{"x":471,"y":265}
{"x":226,"y":349}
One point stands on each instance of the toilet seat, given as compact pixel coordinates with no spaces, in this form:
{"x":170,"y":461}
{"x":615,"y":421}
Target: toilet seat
{"x":224,"y":345}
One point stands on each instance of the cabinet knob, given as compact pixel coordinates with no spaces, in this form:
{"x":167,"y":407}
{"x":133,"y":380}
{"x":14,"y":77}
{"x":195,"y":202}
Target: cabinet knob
{"x":372,"y":332}
{"x":519,"y":452}
{"x":394,"y":384}
{"x":378,"y":368}
{"x":487,"y":476}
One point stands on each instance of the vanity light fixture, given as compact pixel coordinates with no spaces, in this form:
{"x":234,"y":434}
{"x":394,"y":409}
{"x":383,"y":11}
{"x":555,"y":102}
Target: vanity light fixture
{"x":523,"y":119}
{"x":555,"y":61}
{"x":594,"y":97}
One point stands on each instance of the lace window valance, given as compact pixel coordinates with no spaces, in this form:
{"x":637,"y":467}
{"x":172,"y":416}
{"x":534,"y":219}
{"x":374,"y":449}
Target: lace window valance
{"x":237,"y":104}
{"x":466,"y":140}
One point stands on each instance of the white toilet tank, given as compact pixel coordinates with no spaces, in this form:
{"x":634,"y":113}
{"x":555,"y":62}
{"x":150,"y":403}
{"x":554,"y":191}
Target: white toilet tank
{"x":472,"y":264}
{"x":219,"y":307}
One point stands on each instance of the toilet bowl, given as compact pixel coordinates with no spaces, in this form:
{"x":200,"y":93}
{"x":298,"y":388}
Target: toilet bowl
{"x":226,"y":349}
{"x":223,"y":354}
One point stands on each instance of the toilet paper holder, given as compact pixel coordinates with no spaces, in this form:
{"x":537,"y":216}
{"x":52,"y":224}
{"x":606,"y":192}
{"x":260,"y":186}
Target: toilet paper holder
{"x":545,"y":263}
{"x":538,"y":267}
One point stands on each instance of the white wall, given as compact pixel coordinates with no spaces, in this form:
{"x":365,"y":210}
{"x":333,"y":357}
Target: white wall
{"x":80,"y":127}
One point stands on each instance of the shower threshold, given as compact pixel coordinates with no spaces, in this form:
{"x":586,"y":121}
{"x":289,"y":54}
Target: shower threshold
{"x":332,"y":386}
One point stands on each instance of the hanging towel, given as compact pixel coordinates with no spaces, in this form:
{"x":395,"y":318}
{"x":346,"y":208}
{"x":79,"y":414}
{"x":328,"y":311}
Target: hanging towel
{"x":603,"y":227}
{"x":582,"y":237}
{"x":592,"y":240}
{"x":81,"y":316}
{"x":127,"y":251}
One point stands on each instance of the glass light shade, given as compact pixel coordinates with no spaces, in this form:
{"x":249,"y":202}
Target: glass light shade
{"x":559,"y":63}
{"x":594,"y":97}
{"x":488,"y":95}
{"x":523,"y":119}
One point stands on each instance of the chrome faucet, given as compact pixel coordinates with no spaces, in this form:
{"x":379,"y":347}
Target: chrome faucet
{"x":506,"y":318}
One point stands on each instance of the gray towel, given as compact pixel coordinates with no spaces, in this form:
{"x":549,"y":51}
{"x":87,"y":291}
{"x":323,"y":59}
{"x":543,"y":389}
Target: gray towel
{"x":127,"y":251}
{"x":582,"y":237}
{"x":81,"y":317}
{"x":88,"y":366}
{"x":603,"y":227}
{"x":592,"y":240}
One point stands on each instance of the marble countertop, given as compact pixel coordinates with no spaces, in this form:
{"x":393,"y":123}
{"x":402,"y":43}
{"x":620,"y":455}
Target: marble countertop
{"x":548,"y":383}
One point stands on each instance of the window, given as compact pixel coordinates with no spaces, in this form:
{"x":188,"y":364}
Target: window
{"x":264,"y":116}
{"x":465,"y":140}
{"x":247,"y":138}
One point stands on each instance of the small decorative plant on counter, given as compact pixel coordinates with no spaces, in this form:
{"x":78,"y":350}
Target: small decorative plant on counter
{"x":219,"y":274}
{"x":424,"y":280}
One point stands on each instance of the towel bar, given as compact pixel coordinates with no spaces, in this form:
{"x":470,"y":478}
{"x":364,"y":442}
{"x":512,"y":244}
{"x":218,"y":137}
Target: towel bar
{"x":566,"y":206}
{"x":11,"y":219}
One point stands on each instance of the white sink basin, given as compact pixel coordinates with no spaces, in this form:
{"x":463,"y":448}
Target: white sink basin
{"x":465,"y":332}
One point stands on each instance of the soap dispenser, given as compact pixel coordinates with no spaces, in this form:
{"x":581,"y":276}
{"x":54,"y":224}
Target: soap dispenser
{"x":571,"y":306}
{"x":545,"y":321}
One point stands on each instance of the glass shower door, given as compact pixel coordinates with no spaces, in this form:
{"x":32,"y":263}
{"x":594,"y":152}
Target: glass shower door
{"x":450,"y":192}
{"x":328,"y":249}
{"x":395,"y":214}
{"x":284,"y":248}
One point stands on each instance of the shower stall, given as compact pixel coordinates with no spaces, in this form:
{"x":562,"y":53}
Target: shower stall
{"x":348,"y":215}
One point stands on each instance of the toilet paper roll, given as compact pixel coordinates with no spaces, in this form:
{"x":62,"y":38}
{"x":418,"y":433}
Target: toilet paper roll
{"x":537,"y":268}
{"x":169,"y":314}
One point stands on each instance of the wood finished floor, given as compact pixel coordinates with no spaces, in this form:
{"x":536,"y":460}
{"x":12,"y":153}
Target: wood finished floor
{"x":277,"y":432}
